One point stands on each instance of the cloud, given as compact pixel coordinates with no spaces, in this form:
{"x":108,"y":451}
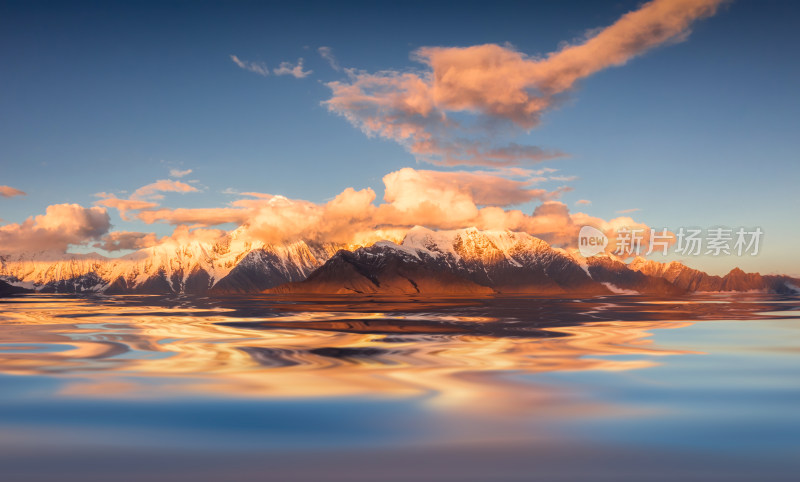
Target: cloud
{"x":461,"y":152}
{"x":62,"y":225}
{"x":411,"y":196}
{"x":474,"y":93}
{"x":295,"y":70}
{"x":143,"y":199}
{"x":119,"y":240}
{"x":150,"y":191}
{"x":413,"y":187}
{"x":438,"y":200}
{"x":583,"y":202}
{"x":8,"y":191}
{"x":626,"y":211}
{"x":327,"y":54}
{"x":184,"y":234}
{"x":181,"y":235}
{"x":193,"y":216}
{"x":179,"y":173}
{"x":123,"y":205}
{"x":259,"y":68}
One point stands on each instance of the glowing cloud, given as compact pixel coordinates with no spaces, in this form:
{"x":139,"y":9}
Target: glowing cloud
{"x":497,"y":84}
{"x":438,"y":200}
{"x":8,"y":191}
{"x":119,"y":240}
{"x":197,"y":216}
{"x":151,"y":191}
{"x":123,"y":205}
{"x":60,"y":226}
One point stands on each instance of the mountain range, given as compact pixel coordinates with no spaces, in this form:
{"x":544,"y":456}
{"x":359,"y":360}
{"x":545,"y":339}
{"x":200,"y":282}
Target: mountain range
{"x":426,"y":262}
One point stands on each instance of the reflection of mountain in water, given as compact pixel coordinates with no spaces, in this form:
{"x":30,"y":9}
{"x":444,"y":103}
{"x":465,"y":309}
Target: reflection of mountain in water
{"x":266,"y":346}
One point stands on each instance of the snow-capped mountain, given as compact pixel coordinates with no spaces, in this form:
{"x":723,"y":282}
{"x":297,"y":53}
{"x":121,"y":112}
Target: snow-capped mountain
{"x":690,"y":279}
{"x":472,"y":261}
{"x":232,"y":264}
{"x":465,"y":261}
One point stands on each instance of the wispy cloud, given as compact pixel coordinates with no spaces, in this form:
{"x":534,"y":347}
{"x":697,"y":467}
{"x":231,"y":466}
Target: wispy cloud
{"x":626,"y":211}
{"x":584,"y":202}
{"x":8,"y":191}
{"x":327,"y":54}
{"x":295,"y":70}
{"x":152,"y":190}
{"x":123,"y":205}
{"x":144,"y":198}
{"x":179,"y":173}
{"x":496,"y":89}
{"x":259,"y":68}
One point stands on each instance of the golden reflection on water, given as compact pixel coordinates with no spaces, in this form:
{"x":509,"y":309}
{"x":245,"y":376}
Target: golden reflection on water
{"x":120,"y":349}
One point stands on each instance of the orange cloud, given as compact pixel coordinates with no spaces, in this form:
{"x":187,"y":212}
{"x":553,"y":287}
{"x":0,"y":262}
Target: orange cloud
{"x":481,"y":188}
{"x":60,"y":226}
{"x":8,"y":191}
{"x":142,"y":199}
{"x":434,"y":199}
{"x":497,"y":83}
{"x":195,"y":216}
{"x":123,"y":205}
{"x":119,"y":240}
{"x":150,"y":191}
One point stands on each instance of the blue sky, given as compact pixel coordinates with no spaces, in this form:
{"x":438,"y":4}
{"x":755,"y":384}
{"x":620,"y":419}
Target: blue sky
{"x":108,"y":97}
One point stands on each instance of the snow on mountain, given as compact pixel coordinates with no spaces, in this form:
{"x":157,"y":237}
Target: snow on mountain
{"x":463,"y":260}
{"x":690,"y":279}
{"x":450,"y":262}
{"x":170,"y":267}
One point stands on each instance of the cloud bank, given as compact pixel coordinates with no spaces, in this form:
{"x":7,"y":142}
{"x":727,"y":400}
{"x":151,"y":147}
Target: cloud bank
{"x":437,"y":200}
{"x":487,"y":200}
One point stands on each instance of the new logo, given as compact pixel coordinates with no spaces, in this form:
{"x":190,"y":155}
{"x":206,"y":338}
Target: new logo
{"x":591,"y":241}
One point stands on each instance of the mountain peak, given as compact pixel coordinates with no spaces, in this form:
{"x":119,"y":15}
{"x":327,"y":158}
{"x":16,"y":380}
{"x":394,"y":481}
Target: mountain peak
{"x":503,"y":261}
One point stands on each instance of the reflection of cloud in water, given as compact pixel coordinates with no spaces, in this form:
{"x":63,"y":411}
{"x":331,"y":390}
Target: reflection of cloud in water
{"x":455,"y":354}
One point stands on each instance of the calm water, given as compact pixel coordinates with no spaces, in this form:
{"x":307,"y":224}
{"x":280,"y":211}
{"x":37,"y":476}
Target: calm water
{"x":241,"y":388}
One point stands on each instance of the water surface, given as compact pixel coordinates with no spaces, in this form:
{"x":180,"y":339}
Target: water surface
{"x":238,"y":388}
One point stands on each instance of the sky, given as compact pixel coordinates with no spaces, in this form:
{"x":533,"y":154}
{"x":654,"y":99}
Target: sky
{"x":126,"y":122}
